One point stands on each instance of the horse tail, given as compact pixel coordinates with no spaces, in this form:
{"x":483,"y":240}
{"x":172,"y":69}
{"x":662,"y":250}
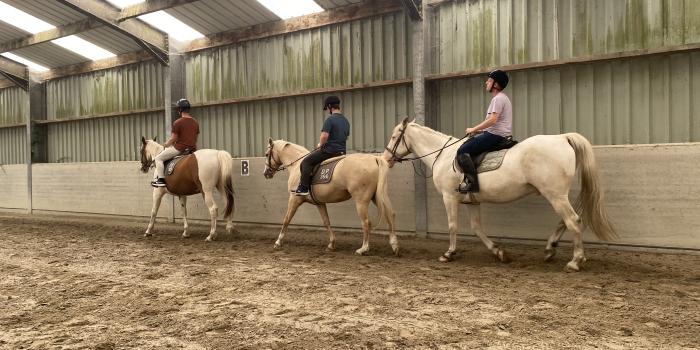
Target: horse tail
{"x":589,"y":204}
{"x":386,"y":210}
{"x":226,"y":181}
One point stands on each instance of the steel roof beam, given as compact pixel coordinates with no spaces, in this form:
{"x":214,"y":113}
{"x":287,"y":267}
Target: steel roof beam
{"x":14,"y":72}
{"x":149,"y":38}
{"x":149,"y":6}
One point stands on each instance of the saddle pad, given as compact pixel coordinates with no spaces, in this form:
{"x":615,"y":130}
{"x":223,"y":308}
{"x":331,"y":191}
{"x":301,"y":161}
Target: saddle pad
{"x":170,"y":165}
{"x":323,"y":173}
{"x":492,"y":161}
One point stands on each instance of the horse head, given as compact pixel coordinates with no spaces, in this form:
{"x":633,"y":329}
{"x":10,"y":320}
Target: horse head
{"x":149,"y":151}
{"x":397,"y":148}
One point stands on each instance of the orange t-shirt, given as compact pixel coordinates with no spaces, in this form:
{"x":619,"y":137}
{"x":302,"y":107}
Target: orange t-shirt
{"x":186,"y":130}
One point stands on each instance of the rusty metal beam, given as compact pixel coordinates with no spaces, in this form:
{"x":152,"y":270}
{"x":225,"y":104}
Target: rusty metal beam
{"x":343,"y":14}
{"x":149,"y":38}
{"x":15,"y":72}
{"x":52,"y":34}
{"x":149,"y":6}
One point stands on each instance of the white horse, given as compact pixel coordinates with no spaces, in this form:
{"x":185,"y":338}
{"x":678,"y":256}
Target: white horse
{"x":544,"y":164}
{"x":201,"y":172}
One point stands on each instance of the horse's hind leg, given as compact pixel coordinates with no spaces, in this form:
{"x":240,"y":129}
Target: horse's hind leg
{"x":475,"y":218}
{"x":213,"y":213}
{"x":327,"y":223}
{"x":562,"y":206}
{"x":362,"y":211}
{"x":550,"y":251}
{"x":158,"y":194}
{"x":183,"y":210}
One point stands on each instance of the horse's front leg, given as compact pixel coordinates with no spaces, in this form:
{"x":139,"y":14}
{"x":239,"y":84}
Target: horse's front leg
{"x":292,"y":205}
{"x":158,"y":194}
{"x":183,"y":210}
{"x":452,"y":208}
{"x":327,"y":223}
{"x":475,"y":218}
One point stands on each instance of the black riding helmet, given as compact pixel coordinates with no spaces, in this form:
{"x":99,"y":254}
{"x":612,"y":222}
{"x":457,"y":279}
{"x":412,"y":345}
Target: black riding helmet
{"x":500,"y":77}
{"x":331,"y":101}
{"x":183,"y":105}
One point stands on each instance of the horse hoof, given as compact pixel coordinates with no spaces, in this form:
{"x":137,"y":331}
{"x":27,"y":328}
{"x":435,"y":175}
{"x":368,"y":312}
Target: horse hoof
{"x":502,"y":256}
{"x":397,"y":251}
{"x":277,"y":246}
{"x":445,"y":258}
{"x":360,"y":252}
{"x":549,"y":254}
{"x":330,"y":248}
{"x":572,"y":266}
{"x":185,"y":235}
{"x":148,"y":234}
{"x":209,"y":239}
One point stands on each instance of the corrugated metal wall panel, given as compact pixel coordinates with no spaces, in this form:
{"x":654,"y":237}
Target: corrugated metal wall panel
{"x":488,"y":33}
{"x":243,"y":128}
{"x":632,"y":101}
{"x":13,"y":145}
{"x":103,"y":139}
{"x":131,"y":87}
{"x":14,"y":106}
{"x":362,"y":51}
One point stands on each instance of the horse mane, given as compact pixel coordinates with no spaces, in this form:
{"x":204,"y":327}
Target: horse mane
{"x":293,"y":145}
{"x":435,"y":132}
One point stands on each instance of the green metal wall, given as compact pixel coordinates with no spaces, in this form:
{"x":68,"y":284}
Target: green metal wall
{"x":243,"y":128}
{"x":103,"y":139}
{"x":13,"y":145}
{"x":14,"y":106}
{"x":632,"y":101}
{"x":367,"y":50}
{"x":128,"y":88}
{"x":478,"y":34}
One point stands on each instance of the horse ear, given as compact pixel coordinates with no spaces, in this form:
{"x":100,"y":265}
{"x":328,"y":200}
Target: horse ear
{"x":154,"y":138}
{"x":143,"y":140}
{"x":405,"y":121}
{"x":269,"y":140}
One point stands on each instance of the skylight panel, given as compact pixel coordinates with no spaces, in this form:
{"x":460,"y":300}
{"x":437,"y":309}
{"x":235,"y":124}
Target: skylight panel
{"x":124,"y":3}
{"x":83,"y":47}
{"x":32,"y":65}
{"x":171,"y":25}
{"x":287,"y":9}
{"x":22,"y":20}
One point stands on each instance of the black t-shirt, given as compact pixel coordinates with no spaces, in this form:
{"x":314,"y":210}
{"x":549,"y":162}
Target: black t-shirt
{"x":338,"y":129}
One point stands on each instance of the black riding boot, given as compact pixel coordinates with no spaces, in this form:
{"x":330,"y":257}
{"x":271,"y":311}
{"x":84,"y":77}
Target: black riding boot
{"x":471,"y":181}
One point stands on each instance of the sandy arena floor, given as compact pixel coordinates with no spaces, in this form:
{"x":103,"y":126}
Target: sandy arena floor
{"x":69,"y":283}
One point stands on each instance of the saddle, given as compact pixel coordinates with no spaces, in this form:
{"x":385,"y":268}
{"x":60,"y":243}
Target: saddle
{"x":170,"y":164}
{"x":323,"y":173}
{"x":493,"y":159}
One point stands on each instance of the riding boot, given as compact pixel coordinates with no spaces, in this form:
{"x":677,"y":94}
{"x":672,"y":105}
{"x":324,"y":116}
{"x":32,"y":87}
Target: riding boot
{"x":471,"y":180}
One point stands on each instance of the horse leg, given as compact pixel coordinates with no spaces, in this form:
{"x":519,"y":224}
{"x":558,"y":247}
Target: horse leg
{"x":183,"y":210}
{"x":158,"y":194}
{"x":362,"y":211}
{"x":327,"y":223}
{"x":452,"y":208}
{"x":475,"y":220}
{"x":550,"y":251}
{"x":213,"y":213}
{"x":563,"y":207}
{"x":292,"y":206}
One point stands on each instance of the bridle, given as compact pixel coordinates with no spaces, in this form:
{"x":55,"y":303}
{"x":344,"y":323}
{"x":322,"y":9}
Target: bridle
{"x":281,"y":167}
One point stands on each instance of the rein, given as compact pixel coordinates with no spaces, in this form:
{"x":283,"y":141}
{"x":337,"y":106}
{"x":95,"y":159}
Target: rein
{"x":439,"y":151}
{"x":284,"y":167}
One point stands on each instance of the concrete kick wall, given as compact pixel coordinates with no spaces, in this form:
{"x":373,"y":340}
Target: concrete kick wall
{"x":260,"y":200}
{"x":13,"y":186}
{"x":114,"y":188}
{"x":652,"y":194}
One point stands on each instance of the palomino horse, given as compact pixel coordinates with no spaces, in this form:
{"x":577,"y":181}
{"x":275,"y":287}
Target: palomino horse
{"x":360,"y":176}
{"x":544,"y":164}
{"x":201,"y":172}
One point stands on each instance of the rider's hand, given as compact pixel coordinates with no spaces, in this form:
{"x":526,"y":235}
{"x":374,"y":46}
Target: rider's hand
{"x":318,"y":145}
{"x":471,"y":131}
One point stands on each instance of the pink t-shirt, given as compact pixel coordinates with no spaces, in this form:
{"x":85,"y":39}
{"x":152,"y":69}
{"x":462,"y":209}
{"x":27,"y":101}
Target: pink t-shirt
{"x":504,"y":124}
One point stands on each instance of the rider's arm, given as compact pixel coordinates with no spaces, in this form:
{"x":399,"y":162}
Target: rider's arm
{"x":323,"y":139}
{"x":171,"y":141}
{"x":491,"y":120}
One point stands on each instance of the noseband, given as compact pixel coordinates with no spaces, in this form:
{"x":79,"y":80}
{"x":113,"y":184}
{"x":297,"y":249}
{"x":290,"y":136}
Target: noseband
{"x":393,"y":149}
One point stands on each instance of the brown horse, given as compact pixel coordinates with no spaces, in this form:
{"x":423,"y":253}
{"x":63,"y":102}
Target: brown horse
{"x":201,"y":172}
{"x":362,"y":177}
